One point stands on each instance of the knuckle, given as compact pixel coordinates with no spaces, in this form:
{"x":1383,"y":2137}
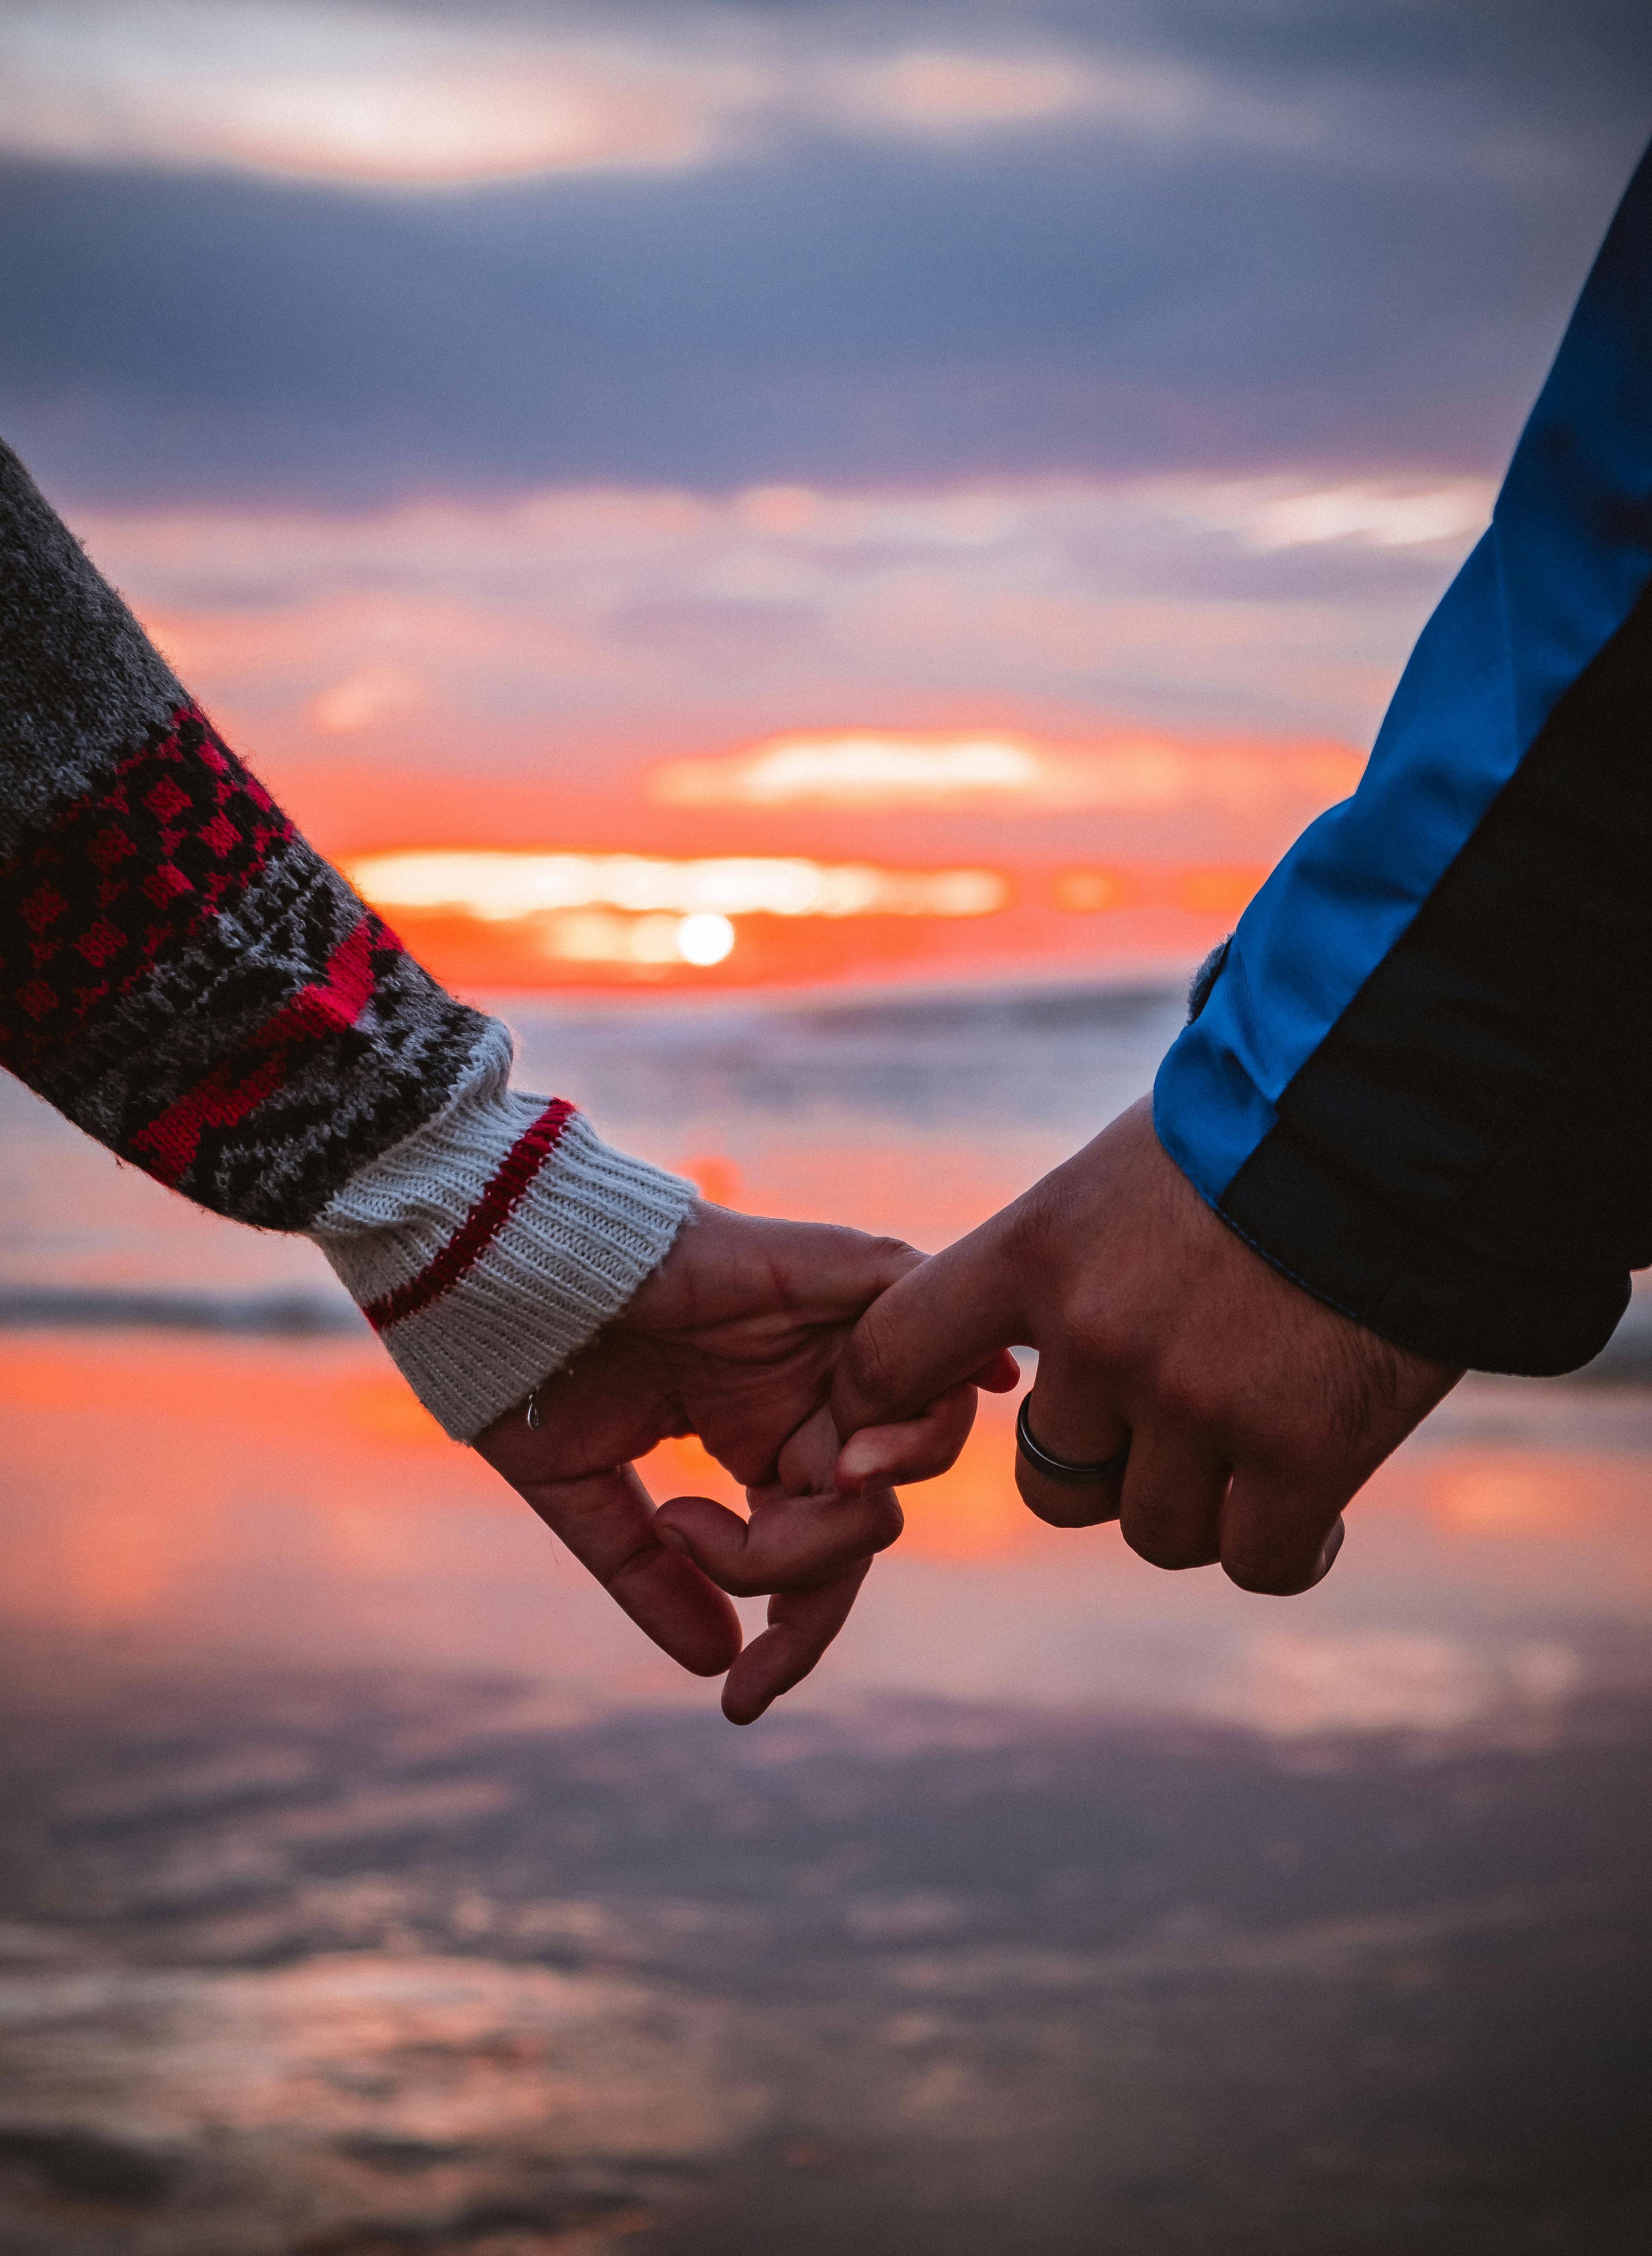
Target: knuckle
{"x":1033,"y":1222}
{"x":1187,"y":1394}
{"x":863,"y":1369}
{"x":929,"y":1466}
{"x":1174,"y":1548}
{"x":1102,"y":1333}
{"x":886,"y":1522}
{"x":1063,"y":1507}
{"x":1266,"y":1575}
{"x":1091,"y":1327}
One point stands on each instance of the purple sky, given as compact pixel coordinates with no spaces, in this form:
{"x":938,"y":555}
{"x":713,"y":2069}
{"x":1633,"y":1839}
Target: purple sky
{"x":484,"y":404}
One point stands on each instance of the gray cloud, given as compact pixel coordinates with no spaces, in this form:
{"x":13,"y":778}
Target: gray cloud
{"x":1358,"y":256}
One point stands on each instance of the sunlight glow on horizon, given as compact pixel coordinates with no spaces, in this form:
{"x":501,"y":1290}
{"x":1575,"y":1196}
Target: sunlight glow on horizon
{"x":501,"y":886}
{"x":601,"y":936}
{"x":520,"y":918}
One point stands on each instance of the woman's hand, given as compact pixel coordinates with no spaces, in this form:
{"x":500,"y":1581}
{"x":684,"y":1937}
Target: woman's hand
{"x":735,"y":1337}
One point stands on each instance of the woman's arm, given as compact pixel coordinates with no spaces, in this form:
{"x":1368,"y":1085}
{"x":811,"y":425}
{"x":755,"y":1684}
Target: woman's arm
{"x":187,"y":979}
{"x":193,"y":984}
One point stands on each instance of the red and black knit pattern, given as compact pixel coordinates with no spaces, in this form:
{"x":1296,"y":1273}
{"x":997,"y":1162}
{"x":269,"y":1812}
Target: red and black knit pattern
{"x":184,"y":976}
{"x":122,"y":881}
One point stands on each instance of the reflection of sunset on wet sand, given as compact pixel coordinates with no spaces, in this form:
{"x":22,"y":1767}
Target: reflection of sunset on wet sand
{"x":286,"y":1500}
{"x":366,"y":1872}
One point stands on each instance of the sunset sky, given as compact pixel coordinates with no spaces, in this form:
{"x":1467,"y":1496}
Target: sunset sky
{"x":1005,"y":450}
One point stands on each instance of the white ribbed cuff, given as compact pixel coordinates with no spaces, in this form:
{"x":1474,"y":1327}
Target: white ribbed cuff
{"x":488,"y":1246}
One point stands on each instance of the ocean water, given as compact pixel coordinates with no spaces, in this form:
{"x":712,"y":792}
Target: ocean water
{"x":367,"y":1885}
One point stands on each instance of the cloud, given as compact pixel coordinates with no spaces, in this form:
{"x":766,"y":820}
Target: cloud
{"x":364,"y":95}
{"x":942,"y":91}
{"x":860,"y":771}
{"x":1143,"y":775}
{"x":727,"y":246}
{"x":295,"y":89}
{"x":362,"y":699}
{"x":449,"y":247}
{"x":434,"y":96}
{"x":1268,"y":515}
{"x":826,"y":315}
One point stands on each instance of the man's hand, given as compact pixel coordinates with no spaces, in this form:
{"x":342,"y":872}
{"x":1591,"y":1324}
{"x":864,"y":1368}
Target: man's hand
{"x":735,"y":1338}
{"x":1252,"y":1411}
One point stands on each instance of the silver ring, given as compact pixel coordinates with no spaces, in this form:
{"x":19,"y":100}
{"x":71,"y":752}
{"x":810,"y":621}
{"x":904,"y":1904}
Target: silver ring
{"x":1063,"y":1469}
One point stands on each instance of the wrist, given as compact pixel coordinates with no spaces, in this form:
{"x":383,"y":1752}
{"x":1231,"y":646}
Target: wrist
{"x":492,"y":1245}
{"x":665,"y":1294}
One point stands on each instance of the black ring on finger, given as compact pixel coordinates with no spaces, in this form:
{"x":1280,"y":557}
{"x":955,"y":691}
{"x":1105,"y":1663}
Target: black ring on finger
{"x":1064,"y":1469}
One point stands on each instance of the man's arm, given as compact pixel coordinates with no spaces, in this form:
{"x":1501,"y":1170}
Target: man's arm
{"x":1421,"y":1083}
{"x":1409,"y":1128}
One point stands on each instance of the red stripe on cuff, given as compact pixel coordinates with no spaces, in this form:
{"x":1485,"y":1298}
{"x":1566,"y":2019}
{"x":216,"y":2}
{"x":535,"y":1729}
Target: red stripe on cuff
{"x":480,"y":1226}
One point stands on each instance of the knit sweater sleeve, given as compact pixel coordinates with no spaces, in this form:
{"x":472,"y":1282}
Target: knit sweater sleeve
{"x":192,"y":984}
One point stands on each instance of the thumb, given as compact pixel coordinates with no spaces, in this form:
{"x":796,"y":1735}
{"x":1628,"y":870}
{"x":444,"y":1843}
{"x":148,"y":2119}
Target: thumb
{"x":937,"y":1326}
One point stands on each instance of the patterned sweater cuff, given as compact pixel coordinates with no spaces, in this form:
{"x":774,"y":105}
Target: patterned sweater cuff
{"x":489,"y":1245}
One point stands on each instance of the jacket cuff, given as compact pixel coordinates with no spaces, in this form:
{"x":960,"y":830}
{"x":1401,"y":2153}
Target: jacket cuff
{"x":488,"y":1246}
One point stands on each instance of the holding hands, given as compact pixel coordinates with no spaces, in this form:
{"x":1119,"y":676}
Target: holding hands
{"x":1240,"y":1414}
{"x":735,"y":1338}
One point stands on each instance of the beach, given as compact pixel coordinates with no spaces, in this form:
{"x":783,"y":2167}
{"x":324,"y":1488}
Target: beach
{"x":369,"y":1886}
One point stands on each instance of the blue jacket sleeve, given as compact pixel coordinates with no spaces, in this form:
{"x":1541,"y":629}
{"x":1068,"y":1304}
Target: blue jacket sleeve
{"x":1421,"y":1083}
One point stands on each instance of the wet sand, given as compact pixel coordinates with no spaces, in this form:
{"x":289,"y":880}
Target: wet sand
{"x":366,"y":1966}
